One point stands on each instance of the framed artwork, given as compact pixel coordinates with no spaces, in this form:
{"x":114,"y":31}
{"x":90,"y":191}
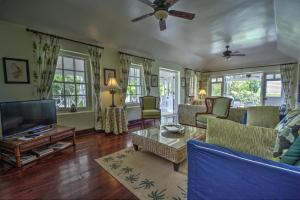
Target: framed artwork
{"x":154,"y":80}
{"x":16,"y":71}
{"x":182,"y":82}
{"x":108,"y":73}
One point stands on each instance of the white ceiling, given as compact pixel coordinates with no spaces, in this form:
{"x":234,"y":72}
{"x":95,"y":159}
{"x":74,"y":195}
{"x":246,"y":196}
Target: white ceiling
{"x":247,"y":25}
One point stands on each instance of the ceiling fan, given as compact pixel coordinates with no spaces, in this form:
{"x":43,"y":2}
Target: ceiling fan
{"x":228,"y":54}
{"x":161,"y":12}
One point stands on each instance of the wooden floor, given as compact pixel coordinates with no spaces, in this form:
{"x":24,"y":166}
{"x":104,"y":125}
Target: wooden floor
{"x":72,"y":174}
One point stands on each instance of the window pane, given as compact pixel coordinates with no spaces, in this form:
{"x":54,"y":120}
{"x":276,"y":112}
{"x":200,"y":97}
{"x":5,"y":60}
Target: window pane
{"x":68,"y":76}
{"x":59,"y":62}
{"x":220,"y":79}
{"x":58,"y":75}
{"x":68,"y":63}
{"x":216,"y":89}
{"x":270,"y":76}
{"x":273,"y":89}
{"x":138,"y":90}
{"x":278,"y":76}
{"x":80,"y":77}
{"x":70,"y":89}
{"x":79,"y":65}
{"x":81,"y":89}
{"x":213,"y":80}
{"x":58,"y":89}
{"x":132,"y":81}
{"x":81,"y":101}
{"x":131,"y":71}
{"x":60,"y":101}
{"x":69,"y":101}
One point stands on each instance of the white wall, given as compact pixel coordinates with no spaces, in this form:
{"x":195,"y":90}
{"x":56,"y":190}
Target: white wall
{"x":17,"y":43}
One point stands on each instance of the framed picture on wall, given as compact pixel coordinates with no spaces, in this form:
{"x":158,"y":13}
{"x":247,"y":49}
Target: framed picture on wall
{"x":182,"y":82}
{"x":154,"y":80}
{"x":16,"y":71}
{"x":109,"y":73}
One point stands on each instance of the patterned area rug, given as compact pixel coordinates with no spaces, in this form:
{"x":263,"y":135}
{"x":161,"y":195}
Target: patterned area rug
{"x":146,"y":175}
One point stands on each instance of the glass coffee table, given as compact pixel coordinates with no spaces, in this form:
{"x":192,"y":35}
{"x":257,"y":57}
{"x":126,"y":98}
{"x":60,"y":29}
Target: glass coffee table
{"x":171,"y":146}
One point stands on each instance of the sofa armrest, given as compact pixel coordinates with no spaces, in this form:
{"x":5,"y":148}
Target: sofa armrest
{"x":216,"y":173}
{"x":187,"y":113}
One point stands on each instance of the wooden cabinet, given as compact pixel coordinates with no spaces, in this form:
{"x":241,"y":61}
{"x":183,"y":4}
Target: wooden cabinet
{"x":18,"y":146}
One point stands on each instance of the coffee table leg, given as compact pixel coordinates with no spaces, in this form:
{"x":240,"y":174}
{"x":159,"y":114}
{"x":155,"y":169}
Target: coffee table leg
{"x":176,"y":166}
{"x":136,"y":147}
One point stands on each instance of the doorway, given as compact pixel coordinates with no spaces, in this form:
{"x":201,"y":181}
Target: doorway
{"x":169,"y":98}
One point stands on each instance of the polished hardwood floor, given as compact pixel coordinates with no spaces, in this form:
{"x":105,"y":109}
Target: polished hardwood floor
{"x":72,"y":174}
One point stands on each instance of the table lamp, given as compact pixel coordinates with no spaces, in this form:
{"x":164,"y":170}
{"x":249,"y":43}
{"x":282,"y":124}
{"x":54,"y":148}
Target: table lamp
{"x":202,"y":93}
{"x":113,"y":86}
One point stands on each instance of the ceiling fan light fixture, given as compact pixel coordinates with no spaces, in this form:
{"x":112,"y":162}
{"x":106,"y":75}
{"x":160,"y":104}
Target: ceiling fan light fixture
{"x":161,"y":14}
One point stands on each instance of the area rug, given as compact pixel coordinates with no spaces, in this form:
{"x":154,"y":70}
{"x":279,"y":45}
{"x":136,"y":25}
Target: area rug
{"x":146,"y":175}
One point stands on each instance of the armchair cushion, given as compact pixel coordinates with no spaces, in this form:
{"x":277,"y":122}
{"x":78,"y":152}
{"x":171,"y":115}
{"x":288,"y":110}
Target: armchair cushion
{"x":264,"y":116}
{"x":149,"y":102}
{"x":151,"y":114}
{"x":253,"y":140}
{"x":292,"y":156}
{"x":221,"y":107}
{"x":202,"y":118}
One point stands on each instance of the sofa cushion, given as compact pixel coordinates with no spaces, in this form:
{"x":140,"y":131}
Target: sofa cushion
{"x":265,"y":116}
{"x":149,"y":102}
{"x":258,"y":141}
{"x":292,"y":156}
{"x":203,"y":118}
{"x":287,"y":132}
{"x":220,"y":107}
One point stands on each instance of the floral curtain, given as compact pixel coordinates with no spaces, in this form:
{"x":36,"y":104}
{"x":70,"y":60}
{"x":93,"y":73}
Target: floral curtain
{"x":125,"y":61}
{"x":46,"y":51}
{"x":289,"y":79}
{"x":95,"y":56}
{"x":198,"y":84}
{"x":188,"y":74}
{"x":147,"y":67}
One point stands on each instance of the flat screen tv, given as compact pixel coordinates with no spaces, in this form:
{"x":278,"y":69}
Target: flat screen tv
{"x":26,"y":116}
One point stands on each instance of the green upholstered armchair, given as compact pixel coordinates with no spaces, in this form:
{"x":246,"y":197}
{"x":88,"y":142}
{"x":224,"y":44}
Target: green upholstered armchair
{"x":150,"y":108}
{"x":217,"y":107}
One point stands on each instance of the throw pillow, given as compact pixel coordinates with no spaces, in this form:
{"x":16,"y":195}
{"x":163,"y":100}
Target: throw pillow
{"x":258,"y":141}
{"x":292,"y":156}
{"x":287,"y":132}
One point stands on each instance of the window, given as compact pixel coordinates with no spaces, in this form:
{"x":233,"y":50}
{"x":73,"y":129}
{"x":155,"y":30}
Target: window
{"x":135,"y":87}
{"x":192,"y":85}
{"x":216,"y":86}
{"x":273,"y":85}
{"x":70,"y":82}
{"x":245,"y":89}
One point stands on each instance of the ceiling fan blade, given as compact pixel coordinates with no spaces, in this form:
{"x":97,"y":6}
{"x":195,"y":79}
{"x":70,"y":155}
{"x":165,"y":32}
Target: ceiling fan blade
{"x":184,"y":15}
{"x":170,"y":3}
{"x":238,"y":54}
{"x":162,"y":25}
{"x":147,"y":2}
{"x":142,"y":17}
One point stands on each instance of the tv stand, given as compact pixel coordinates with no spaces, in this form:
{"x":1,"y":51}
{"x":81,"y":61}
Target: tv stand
{"x":19,"y":146}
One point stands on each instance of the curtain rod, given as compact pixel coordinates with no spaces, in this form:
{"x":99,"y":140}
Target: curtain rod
{"x":63,"y":38}
{"x":250,"y":67}
{"x":135,"y":56}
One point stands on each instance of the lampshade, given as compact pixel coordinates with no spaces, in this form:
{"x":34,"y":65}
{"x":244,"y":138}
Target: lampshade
{"x":113,"y":84}
{"x":202,"y":92}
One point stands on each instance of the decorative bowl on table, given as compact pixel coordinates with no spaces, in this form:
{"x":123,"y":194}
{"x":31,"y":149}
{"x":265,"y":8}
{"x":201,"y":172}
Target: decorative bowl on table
{"x":174,"y":128}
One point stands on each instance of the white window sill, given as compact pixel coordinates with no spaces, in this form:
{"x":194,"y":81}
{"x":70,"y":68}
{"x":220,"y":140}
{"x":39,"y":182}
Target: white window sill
{"x":73,"y":113}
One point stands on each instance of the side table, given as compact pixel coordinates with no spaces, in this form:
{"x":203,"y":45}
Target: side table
{"x":115,"y":120}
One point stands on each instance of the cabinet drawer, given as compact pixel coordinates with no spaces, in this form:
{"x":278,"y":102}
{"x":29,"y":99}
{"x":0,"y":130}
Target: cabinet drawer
{"x":34,"y":143}
{"x":61,"y":136}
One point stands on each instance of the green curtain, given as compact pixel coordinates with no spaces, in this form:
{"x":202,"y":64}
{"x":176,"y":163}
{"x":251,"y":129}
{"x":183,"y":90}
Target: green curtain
{"x":147,"y":67}
{"x":125,"y":61}
{"x":198,"y":84}
{"x":188,"y":74}
{"x":46,"y":51}
{"x":289,"y":84}
{"x":95,"y":56}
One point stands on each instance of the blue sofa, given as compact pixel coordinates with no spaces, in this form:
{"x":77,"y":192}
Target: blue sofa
{"x":216,"y":172}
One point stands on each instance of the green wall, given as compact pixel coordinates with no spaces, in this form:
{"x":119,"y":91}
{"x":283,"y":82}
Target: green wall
{"x":17,"y":43}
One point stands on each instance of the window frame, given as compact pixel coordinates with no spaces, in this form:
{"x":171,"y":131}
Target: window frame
{"x":142,"y":84}
{"x":272,"y":79}
{"x":217,"y":82}
{"x":86,"y":60}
